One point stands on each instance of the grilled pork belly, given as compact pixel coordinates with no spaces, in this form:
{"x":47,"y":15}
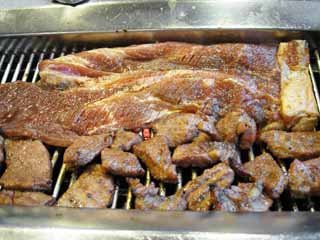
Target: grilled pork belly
{"x":28,"y":166}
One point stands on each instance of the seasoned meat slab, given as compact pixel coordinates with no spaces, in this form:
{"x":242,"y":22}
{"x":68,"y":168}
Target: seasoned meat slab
{"x":148,"y":198}
{"x":246,"y":197}
{"x":263,"y":168}
{"x":304,"y":177}
{"x":117,"y":162}
{"x":28,"y":166}
{"x":8,"y":197}
{"x":156,"y":155}
{"x":85,"y":149}
{"x":93,"y":189}
{"x":124,"y":140}
{"x":292,"y":144}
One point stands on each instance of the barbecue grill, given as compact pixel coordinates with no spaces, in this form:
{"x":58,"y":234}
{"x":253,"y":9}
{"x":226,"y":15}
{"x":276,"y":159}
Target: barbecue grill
{"x":35,"y":30}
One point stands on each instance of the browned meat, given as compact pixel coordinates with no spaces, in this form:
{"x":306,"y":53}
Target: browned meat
{"x":93,"y":189}
{"x":237,"y":127}
{"x":202,"y":137}
{"x":292,"y":144}
{"x":1,"y":150}
{"x":179,"y":128}
{"x":197,"y":191}
{"x":156,"y":155}
{"x":263,"y":168}
{"x":28,"y":166}
{"x":85,"y":149}
{"x":117,"y":162}
{"x":148,"y":198}
{"x":304,"y":177}
{"x":8,"y":197}
{"x":124,"y":140}
{"x":246,"y":197}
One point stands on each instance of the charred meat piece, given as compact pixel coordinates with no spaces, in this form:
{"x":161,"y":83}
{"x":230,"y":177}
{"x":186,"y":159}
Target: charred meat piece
{"x":85,"y":149}
{"x":93,"y":189}
{"x":202,"y":137}
{"x":28,"y":166}
{"x":179,"y":128}
{"x":304,"y":177}
{"x":117,"y":162}
{"x":9,"y":197}
{"x":148,"y":198}
{"x":300,"y":145}
{"x":197,"y":191}
{"x":246,"y":197}
{"x":124,"y":140}
{"x":1,"y":150}
{"x":239,"y":128}
{"x":263,"y":168}
{"x":156,"y":155}
{"x":6,"y":197}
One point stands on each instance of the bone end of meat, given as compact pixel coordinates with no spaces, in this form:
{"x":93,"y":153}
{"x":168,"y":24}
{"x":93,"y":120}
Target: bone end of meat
{"x":28,"y":166}
{"x":117,"y":162}
{"x":85,"y":149}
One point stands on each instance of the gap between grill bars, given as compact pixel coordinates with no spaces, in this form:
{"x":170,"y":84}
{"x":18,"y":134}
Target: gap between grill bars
{"x":19,"y":59}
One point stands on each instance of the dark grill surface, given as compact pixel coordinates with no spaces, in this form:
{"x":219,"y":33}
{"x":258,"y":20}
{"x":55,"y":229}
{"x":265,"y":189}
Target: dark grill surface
{"x":19,"y":58}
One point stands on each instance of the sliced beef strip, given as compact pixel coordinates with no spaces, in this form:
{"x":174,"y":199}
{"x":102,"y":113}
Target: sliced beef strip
{"x":93,"y":189}
{"x":304,"y":177}
{"x":85,"y":149}
{"x":263,"y":168}
{"x":28,"y":166}
{"x":156,"y":155}
{"x":117,"y":162}
{"x":9,"y":197}
{"x":124,"y":140}
{"x":246,"y":197}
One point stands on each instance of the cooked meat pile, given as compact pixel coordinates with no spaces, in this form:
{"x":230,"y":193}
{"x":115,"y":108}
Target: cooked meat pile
{"x":205,"y":106}
{"x":28,"y":166}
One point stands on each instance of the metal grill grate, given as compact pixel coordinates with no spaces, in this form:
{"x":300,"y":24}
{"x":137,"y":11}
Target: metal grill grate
{"x":19,"y":58}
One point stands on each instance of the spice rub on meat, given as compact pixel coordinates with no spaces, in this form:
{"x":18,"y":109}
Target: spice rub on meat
{"x":124,"y":140}
{"x":9,"y":197}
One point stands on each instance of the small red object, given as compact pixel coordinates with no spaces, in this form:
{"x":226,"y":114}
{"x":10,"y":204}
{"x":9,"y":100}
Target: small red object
{"x":146,"y":133}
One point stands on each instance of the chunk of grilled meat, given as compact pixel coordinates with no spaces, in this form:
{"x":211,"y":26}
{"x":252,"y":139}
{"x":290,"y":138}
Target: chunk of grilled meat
{"x":300,"y":145}
{"x":246,"y":197}
{"x":93,"y":189}
{"x":117,"y":162}
{"x":148,"y":198}
{"x":178,"y":128}
{"x":8,"y":197}
{"x":85,"y":149}
{"x":28,"y":166}
{"x":239,"y":128}
{"x":304,"y":177}
{"x":197,"y":191}
{"x":263,"y":168}
{"x":124,"y":140}
{"x":1,"y":150}
{"x":156,"y":155}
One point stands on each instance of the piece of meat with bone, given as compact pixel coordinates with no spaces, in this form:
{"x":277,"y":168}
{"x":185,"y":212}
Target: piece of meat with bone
{"x":1,"y":150}
{"x":304,"y":177}
{"x":148,"y":198}
{"x":156,"y":155}
{"x":302,"y":145}
{"x":197,"y":191}
{"x":117,"y":162}
{"x":239,"y":128}
{"x":28,"y":166}
{"x":93,"y":189}
{"x":265,"y":169}
{"x":246,"y":197}
{"x":124,"y":140}
{"x":85,"y":149}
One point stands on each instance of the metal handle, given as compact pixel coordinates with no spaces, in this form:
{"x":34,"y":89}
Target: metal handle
{"x":70,"y":2}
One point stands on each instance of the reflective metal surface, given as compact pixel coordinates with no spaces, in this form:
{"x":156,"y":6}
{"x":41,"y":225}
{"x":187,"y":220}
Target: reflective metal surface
{"x":45,"y":17}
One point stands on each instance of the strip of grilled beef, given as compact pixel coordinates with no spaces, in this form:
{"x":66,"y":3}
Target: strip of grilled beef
{"x":83,"y":150}
{"x":9,"y":197}
{"x":239,"y":128}
{"x":304,"y":177}
{"x":28,"y":166}
{"x":263,"y":168}
{"x":246,"y":197}
{"x":117,"y":162}
{"x":124,"y":140}
{"x":300,"y":145}
{"x":1,"y":150}
{"x":148,"y":198}
{"x":197,"y":191}
{"x":156,"y":155}
{"x":93,"y":189}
